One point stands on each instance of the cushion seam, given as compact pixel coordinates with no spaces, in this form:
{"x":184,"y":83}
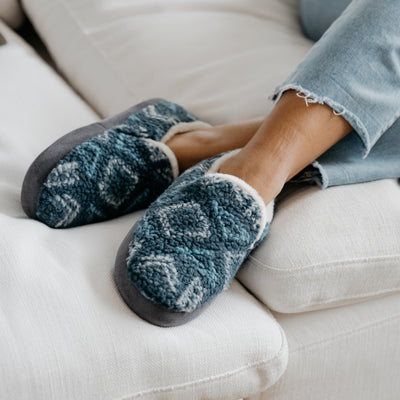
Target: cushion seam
{"x":362,"y":296}
{"x":325,"y":265}
{"x":347,"y":333}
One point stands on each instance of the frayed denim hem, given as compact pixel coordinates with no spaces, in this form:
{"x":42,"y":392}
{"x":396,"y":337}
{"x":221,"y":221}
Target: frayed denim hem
{"x":338,"y":109}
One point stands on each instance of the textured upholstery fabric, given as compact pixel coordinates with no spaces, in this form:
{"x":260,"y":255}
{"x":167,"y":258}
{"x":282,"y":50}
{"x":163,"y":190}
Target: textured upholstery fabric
{"x":329,"y":247}
{"x":220,"y":59}
{"x":65,"y":332}
{"x":349,"y":352}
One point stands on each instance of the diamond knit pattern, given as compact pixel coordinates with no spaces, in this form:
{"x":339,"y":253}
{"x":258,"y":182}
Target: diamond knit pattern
{"x":114,"y":173}
{"x":192,"y":240}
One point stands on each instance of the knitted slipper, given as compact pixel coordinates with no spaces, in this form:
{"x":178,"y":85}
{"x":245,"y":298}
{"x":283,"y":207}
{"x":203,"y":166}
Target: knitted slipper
{"x":188,"y":246}
{"x":108,"y":168}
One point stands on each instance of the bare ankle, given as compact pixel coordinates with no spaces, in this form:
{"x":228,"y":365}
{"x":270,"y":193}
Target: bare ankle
{"x":193,"y":146}
{"x":264,"y":175}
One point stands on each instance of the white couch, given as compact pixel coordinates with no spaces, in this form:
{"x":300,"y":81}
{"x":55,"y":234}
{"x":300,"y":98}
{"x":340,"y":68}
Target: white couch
{"x":315,"y":311}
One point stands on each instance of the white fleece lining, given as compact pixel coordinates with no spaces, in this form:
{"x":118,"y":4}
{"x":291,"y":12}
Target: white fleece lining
{"x":183,"y":127}
{"x":267,"y":211}
{"x":169,"y":153}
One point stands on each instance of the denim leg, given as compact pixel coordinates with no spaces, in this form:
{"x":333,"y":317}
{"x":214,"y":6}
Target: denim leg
{"x":344,"y":164}
{"x":355,"y":69}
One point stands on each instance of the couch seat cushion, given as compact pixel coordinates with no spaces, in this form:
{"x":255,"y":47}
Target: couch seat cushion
{"x":65,"y":332}
{"x":329,"y":247}
{"x":348,"y":353}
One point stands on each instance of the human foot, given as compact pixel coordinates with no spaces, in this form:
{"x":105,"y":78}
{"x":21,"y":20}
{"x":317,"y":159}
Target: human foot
{"x":198,"y":145}
{"x":108,"y":168}
{"x":188,"y":246}
{"x":267,"y":177}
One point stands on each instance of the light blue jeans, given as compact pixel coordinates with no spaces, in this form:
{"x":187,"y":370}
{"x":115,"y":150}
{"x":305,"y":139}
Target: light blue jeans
{"x":354,"y":67}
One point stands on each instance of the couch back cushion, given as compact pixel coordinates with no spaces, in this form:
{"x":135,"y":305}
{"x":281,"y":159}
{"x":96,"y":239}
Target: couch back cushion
{"x":221,"y":59}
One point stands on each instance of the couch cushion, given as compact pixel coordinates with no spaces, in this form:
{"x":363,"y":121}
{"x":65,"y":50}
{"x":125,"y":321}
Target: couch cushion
{"x":65,"y":332}
{"x":221,"y":59}
{"x":347,"y":353}
{"x":329,"y":247}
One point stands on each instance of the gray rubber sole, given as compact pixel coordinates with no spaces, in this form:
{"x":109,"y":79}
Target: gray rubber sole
{"x":143,"y":307}
{"x":48,"y":159}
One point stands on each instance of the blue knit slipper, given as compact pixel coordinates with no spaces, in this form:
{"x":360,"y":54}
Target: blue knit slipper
{"x":188,"y":246}
{"x":108,"y":168}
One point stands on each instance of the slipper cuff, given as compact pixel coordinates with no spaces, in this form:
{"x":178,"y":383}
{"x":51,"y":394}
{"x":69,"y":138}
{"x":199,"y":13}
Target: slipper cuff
{"x":266,"y":210}
{"x":181,"y":127}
